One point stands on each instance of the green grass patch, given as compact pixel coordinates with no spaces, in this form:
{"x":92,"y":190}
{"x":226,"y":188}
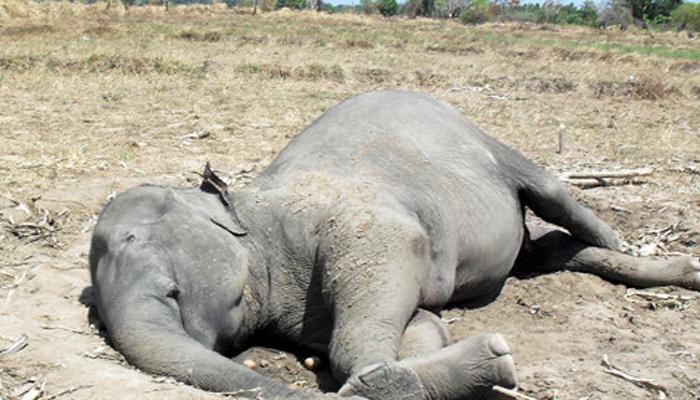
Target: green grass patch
{"x":664,"y":52}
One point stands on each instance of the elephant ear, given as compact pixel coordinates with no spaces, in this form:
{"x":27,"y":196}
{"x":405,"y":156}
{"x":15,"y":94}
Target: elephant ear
{"x":227,"y":220}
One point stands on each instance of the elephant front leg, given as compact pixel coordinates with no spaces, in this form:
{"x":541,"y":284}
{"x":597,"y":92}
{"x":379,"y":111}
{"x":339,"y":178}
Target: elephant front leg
{"x":374,"y":288}
{"x":429,"y":369}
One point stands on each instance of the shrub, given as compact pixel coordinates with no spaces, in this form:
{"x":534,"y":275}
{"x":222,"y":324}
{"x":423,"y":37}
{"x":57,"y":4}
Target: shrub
{"x":531,"y":12}
{"x":267,"y":5}
{"x":687,"y":16}
{"x":388,"y":7}
{"x":478,"y":12}
{"x":368,"y":6}
{"x":572,"y":15}
{"x":450,"y":8}
{"x":652,"y":10}
{"x":294,"y":4}
{"x":616,"y":12}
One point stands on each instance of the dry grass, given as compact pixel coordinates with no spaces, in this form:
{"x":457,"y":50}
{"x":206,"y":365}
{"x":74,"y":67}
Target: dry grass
{"x":95,"y":100}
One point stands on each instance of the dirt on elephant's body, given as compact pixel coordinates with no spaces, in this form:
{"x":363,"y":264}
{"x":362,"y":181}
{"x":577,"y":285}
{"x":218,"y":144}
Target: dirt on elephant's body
{"x":90,"y":106}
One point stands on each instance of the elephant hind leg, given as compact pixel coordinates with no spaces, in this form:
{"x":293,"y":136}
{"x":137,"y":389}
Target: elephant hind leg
{"x":425,"y":333}
{"x":552,"y":250}
{"x":467,"y":369}
{"x":546,"y":196}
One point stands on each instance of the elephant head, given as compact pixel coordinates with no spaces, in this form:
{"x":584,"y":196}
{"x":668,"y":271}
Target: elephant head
{"x":171,"y":282}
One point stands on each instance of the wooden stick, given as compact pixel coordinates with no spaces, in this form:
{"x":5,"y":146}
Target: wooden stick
{"x":623,"y":173}
{"x":511,"y":393}
{"x":641,"y":382}
{"x":68,"y":391}
{"x":589,"y":183}
{"x":18,"y":345}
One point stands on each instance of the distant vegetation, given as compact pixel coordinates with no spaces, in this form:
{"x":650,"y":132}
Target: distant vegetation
{"x":656,"y":14}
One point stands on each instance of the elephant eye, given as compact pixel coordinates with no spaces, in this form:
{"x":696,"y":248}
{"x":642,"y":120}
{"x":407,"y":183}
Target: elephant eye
{"x":174,"y":293}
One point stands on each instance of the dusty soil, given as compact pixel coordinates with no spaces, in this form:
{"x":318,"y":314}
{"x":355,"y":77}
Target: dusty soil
{"x":92,"y":103}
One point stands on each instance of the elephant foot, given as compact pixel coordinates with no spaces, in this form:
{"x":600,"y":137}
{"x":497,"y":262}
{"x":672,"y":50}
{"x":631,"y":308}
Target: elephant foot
{"x":388,"y":381}
{"x":467,"y":369}
{"x":685,"y":272}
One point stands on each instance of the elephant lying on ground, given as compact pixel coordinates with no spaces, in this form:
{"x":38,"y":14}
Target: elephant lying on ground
{"x":385,"y":209}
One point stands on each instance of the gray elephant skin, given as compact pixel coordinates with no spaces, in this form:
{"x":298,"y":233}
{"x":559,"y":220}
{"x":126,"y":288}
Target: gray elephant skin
{"x":385,"y":209}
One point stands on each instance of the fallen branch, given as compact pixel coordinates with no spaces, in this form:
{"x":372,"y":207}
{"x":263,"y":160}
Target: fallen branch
{"x":621,"y":174}
{"x":18,"y":280}
{"x":18,"y":345}
{"x":243,"y":392}
{"x":31,"y":391}
{"x":512,"y":393}
{"x":658,"y":300}
{"x":70,"y":390}
{"x":590,"y":183}
{"x":644,"y":383}
{"x":63,"y":328}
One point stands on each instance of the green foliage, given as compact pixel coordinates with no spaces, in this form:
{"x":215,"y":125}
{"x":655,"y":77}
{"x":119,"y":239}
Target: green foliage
{"x":427,"y":7}
{"x":388,"y":8}
{"x":652,"y":11}
{"x":329,"y":8}
{"x":478,"y":12}
{"x":293,"y":4}
{"x":616,"y":12}
{"x":414,"y":8}
{"x":549,"y":12}
{"x":531,"y":12}
{"x":368,"y":6}
{"x":687,"y":16}
{"x":572,"y":15}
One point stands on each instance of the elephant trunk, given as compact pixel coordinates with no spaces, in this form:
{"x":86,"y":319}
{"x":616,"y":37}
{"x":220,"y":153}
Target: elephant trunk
{"x":151,"y":336}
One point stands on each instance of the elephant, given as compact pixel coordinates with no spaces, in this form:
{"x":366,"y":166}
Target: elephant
{"x":387,"y":208}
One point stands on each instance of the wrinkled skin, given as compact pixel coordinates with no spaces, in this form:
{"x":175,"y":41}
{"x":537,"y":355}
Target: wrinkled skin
{"x":387,"y":208}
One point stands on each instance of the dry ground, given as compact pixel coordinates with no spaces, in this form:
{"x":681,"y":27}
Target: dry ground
{"x":93,"y":102}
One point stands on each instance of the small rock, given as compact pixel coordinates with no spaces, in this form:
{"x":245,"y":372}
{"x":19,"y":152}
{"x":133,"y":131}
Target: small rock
{"x":312,"y":363}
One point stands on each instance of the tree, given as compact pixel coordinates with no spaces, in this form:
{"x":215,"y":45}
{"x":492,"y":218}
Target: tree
{"x":450,"y":8}
{"x":367,"y":6}
{"x":652,"y":10}
{"x":616,"y":12}
{"x":687,"y":16}
{"x":478,"y":12}
{"x":388,"y":8}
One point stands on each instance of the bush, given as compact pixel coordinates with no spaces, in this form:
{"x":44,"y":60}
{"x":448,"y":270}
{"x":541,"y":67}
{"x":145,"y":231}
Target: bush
{"x":616,"y":12}
{"x":652,"y":11}
{"x":531,"y":12}
{"x":368,"y":6}
{"x":388,"y":8}
{"x":409,"y":8}
{"x":687,"y":16}
{"x":572,"y":15}
{"x":478,"y":12}
{"x":294,"y":4}
{"x":450,"y":8}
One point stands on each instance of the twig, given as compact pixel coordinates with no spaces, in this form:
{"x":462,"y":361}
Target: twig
{"x":659,"y":300}
{"x":52,"y":200}
{"x":623,"y":173}
{"x":641,"y":382}
{"x":34,"y":391}
{"x":18,"y":281}
{"x":18,"y":345}
{"x":70,"y":390}
{"x":255,"y":392}
{"x":63,"y":328}
{"x":511,"y":393}
{"x":589,"y":183}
